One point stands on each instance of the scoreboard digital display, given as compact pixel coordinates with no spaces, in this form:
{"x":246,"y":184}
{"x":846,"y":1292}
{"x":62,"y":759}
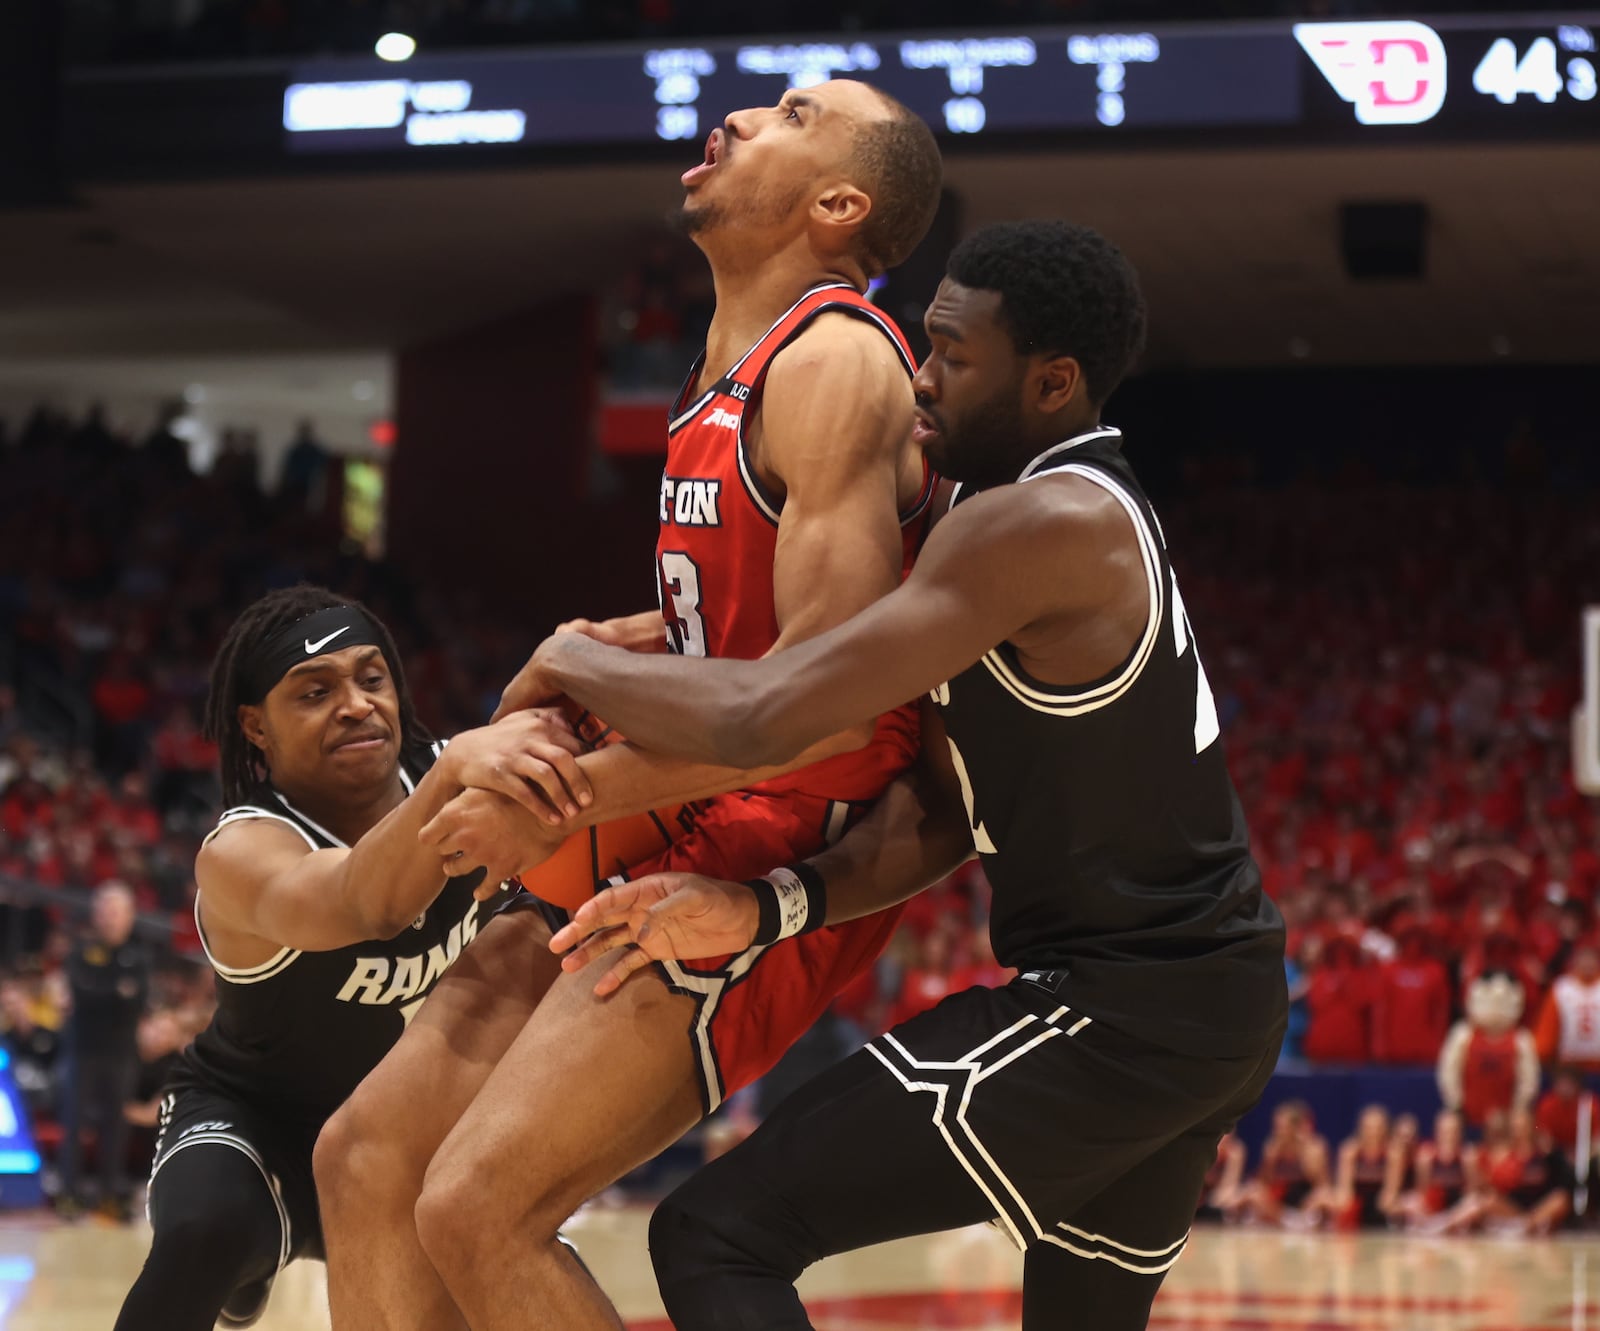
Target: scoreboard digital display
{"x":1513,"y":75}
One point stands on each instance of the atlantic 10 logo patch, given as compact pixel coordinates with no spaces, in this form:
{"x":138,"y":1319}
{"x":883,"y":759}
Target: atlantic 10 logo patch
{"x":1392,"y":71}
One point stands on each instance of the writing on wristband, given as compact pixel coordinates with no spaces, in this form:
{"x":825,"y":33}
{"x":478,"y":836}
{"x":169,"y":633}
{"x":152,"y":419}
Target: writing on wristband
{"x":791,"y":901}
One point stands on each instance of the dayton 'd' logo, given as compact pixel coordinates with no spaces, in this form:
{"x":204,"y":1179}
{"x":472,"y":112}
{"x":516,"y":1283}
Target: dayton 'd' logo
{"x":1392,"y":71}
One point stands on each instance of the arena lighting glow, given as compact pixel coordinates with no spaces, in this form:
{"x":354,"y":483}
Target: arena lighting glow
{"x":395,"y":46}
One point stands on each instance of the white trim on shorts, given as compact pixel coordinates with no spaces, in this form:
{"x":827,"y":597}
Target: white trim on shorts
{"x":960,"y":1077}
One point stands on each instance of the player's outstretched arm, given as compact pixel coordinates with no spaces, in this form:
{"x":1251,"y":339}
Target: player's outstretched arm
{"x":995,"y":565}
{"x":257,"y":877}
{"x":916,"y":834}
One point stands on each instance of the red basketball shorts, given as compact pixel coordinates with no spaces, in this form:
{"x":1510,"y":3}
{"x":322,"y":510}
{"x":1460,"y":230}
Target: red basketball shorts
{"x":750,"y":1007}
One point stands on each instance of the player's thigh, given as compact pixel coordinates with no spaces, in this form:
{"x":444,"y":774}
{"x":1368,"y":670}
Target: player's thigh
{"x":448,"y":1051}
{"x":846,"y":1161}
{"x":589,"y":1089}
{"x":1108,"y":1256}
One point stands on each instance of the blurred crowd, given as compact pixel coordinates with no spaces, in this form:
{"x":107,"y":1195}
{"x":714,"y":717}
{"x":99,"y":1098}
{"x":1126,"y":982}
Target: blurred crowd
{"x":1395,"y":664}
{"x":1529,"y":1172}
{"x":233,"y":29}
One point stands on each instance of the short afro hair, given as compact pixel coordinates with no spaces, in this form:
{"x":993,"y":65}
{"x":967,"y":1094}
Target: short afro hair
{"x":896,"y":160}
{"x":1065,"y":290}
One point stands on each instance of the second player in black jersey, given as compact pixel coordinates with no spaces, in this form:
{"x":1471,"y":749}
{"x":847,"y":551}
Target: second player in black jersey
{"x":1074,"y":744}
{"x":327,"y":925}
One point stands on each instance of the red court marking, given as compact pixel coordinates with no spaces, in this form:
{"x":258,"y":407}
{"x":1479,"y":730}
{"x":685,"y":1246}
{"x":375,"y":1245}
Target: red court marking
{"x":1329,"y":1300}
{"x":1001,"y":1309}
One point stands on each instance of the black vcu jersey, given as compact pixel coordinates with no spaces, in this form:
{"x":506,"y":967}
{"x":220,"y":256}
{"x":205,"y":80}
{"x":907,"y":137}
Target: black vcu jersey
{"x":1107,"y":821}
{"x":295,"y":1035}
{"x":1078,"y":1107}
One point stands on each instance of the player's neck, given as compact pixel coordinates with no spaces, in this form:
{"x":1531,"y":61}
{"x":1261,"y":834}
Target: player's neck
{"x":349,"y":815}
{"x":754,"y":293}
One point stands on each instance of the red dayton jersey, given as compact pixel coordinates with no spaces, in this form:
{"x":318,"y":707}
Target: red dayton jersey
{"x":719,"y":535}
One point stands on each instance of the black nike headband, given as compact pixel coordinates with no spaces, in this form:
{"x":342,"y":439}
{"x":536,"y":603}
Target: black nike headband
{"x":330,"y":630}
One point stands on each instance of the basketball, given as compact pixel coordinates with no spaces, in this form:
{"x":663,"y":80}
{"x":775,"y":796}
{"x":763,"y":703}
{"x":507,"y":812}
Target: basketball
{"x":588,"y":858}
{"x":1506,"y":1173}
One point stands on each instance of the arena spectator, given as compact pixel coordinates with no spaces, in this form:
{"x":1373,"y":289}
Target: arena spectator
{"x":110,"y":980}
{"x":1338,"y":1000}
{"x":161,"y":1035}
{"x":33,"y":1047}
{"x":929,"y":981}
{"x":1226,"y":1189}
{"x":1292,"y":1171}
{"x":1569,"y":1022}
{"x":1358,"y":1197}
{"x":1562,"y":1107}
{"x":1529,"y":1182}
{"x":1411,"y":1012}
{"x":1448,"y":1178}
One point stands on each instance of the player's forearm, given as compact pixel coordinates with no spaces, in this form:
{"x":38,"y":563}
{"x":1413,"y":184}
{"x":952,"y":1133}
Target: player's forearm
{"x":628,"y":779}
{"x":914,"y":836}
{"x":387,"y":879}
{"x":703,"y":711}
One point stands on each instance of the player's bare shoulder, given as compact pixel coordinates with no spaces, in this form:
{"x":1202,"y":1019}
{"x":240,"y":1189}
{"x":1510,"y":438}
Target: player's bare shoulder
{"x":241,"y":856}
{"x":1055,"y":518}
{"x":846,"y":349}
{"x":841,"y":380}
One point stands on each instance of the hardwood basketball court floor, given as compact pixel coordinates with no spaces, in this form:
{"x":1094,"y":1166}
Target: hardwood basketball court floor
{"x":56,"y":1277}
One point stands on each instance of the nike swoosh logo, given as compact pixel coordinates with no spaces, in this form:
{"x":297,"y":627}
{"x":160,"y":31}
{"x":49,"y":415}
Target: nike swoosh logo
{"x":312,"y":648}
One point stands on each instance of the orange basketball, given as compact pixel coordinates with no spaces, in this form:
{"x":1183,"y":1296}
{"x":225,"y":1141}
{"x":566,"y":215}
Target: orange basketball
{"x":588,"y":858}
{"x":1506,"y":1173}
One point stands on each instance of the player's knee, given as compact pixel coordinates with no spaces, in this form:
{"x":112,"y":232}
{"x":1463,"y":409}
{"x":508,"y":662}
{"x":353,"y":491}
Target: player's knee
{"x":702,"y":1228}
{"x":330,"y":1158}
{"x":455,"y":1208}
{"x":355,"y":1158}
{"x":227,"y":1236}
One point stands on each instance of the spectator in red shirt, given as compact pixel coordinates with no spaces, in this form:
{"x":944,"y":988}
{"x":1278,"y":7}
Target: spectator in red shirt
{"x":28,"y":805}
{"x":1339,"y":1002}
{"x":981,"y":968}
{"x":1560,"y":1109}
{"x":1411,"y":1012}
{"x":131,"y":813}
{"x":930,"y":981}
{"x":122,"y":701}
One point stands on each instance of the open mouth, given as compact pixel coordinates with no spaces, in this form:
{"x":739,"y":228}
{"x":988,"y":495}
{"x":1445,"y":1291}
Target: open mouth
{"x":923,"y":428}
{"x":716,"y":150}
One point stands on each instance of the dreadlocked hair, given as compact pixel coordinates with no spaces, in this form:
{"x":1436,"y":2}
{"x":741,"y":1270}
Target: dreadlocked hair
{"x":244,"y":770}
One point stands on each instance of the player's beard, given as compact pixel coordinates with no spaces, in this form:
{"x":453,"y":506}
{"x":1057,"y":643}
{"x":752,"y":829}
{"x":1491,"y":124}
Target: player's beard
{"x":747,"y":210}
{"x":983,"y":445}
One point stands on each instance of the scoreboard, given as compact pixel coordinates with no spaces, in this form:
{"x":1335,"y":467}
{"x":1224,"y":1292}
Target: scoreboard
{"x":1520,"y":75}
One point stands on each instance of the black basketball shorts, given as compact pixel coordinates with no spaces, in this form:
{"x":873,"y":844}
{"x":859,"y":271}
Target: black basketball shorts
{"x":205,"y":1119}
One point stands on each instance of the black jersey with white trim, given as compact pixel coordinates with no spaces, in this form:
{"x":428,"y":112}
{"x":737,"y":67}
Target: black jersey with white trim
{"x":297,"y":1033}
{"x":1107,"y":821}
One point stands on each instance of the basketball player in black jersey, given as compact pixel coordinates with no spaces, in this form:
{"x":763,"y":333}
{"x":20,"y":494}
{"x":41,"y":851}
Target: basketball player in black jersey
{"x":326,"y":925}
{"x":1080,"y":1106}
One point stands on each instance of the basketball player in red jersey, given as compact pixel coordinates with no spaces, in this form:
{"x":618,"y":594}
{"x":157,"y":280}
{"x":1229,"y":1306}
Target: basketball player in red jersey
{"x":793,"y":497}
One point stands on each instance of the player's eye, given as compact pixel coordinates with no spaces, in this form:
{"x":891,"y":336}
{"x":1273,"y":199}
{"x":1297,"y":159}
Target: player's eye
{"x":374,"y":681}
{"x":793,"y":114}
{"x":312,"y":695}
